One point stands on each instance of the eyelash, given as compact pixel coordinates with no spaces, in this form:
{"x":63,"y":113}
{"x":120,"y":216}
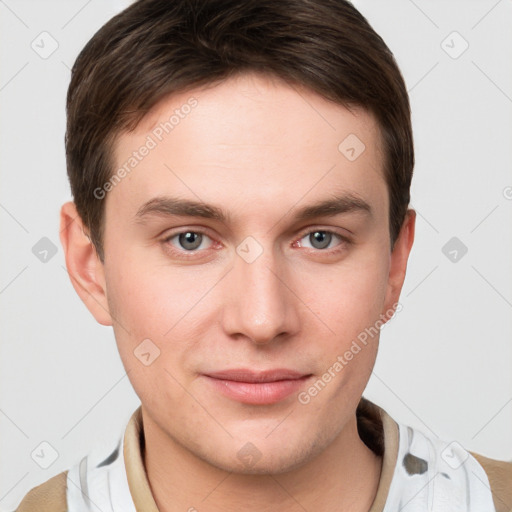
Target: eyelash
{"x":344,"y":241}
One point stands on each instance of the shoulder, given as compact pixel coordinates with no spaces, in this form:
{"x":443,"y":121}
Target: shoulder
{"x":499,"y":474}
{"x":435,"y":474}
{"x":413,"y":459}
{"x":50,"y":496}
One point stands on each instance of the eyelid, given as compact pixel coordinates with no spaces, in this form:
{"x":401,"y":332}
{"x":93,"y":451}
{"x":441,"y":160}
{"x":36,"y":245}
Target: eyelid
{"x":309,"y":230}
{"x":172,"y":232}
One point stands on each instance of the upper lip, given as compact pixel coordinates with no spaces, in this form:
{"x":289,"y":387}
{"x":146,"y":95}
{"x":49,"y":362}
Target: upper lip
{"x":245,"y":375}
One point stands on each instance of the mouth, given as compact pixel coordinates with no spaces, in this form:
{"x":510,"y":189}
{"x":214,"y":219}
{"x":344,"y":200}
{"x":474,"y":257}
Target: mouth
{"x":257,"y":387}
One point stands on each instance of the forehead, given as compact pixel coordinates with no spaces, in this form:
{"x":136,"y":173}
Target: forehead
{"x":250,"y":140}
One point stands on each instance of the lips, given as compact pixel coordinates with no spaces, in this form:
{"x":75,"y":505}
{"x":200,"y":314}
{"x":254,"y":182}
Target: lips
{"x":257,"y":387}
{"x":243,"y":375}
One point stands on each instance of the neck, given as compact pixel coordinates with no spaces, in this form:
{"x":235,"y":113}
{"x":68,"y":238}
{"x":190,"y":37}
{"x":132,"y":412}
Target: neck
{"x":344,"y":476}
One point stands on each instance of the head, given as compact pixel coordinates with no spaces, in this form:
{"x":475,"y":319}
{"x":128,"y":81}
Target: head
{"x":240,"y":174}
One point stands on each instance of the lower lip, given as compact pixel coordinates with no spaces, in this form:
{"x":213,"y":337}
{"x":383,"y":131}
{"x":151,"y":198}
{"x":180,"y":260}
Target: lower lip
{"x":258,"y":393}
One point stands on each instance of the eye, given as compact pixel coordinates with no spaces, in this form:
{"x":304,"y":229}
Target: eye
{"x":187,"y":241}
{"x":321,"y":239}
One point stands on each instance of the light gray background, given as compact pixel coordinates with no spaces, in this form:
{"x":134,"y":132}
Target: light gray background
{"x":445,"y":361}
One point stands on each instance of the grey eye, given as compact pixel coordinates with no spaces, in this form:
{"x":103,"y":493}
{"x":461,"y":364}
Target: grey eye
{"x":190,"y":240}
{"x":320,"y":239}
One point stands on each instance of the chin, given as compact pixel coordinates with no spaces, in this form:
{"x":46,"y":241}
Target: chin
{"x":261,"y":457}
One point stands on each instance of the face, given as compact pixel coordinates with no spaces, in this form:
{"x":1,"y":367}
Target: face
{"x":236,"y":300}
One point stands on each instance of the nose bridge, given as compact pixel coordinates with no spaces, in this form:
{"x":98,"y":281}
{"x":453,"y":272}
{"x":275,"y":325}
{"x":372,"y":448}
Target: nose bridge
{"x":260,"y":304}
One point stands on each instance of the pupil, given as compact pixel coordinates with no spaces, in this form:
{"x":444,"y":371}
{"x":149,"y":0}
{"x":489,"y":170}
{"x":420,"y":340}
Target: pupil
{"x":322,"y":238}
{"x":190,"y":240}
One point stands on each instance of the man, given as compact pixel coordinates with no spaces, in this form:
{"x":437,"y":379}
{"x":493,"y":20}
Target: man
{"x":241,"y":173}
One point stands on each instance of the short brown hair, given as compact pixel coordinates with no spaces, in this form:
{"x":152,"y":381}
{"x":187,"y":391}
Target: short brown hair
{"x":158,"y":47}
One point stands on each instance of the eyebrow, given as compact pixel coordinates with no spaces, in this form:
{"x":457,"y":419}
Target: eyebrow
{"x":167,"y":206}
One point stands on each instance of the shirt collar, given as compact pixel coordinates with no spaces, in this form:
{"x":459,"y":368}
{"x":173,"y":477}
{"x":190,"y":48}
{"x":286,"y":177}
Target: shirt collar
{"x":376,"y":428}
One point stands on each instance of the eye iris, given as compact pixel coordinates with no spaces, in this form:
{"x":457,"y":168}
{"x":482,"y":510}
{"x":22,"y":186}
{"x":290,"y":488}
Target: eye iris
{"x":322,"y":237}
{"x":190,"y":240}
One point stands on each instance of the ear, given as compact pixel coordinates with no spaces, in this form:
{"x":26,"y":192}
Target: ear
{"x":84,"y":267}
{"x":398,"y":260}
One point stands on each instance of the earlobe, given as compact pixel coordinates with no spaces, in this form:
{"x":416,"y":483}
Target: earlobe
{"x":399,"y":258}
{"x":84,"y":267}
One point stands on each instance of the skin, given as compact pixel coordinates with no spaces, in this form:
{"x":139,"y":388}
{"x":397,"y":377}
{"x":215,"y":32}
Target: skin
{"x":259,"y":149}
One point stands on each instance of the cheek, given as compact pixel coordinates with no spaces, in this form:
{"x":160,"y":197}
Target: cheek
{"x":158,"y":303}
{"x":150,"y":330}
{"x":347,"y":298}
{"x":148,"y":299}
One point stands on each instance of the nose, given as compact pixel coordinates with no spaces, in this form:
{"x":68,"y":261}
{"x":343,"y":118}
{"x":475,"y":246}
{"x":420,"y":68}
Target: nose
{"x":261,"y":304}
